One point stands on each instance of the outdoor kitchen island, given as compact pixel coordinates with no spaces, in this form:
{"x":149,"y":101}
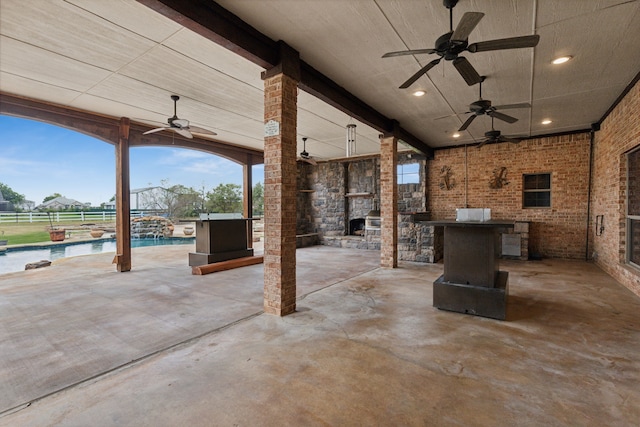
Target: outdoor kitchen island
{"x":220,"y":240}
{"x":472,"y":282}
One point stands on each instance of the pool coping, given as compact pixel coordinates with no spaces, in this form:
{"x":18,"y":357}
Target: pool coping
{"x":45,"y":245}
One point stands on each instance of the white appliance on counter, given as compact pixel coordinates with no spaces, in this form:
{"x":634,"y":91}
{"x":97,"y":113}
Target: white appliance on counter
{"x":473,"y":214}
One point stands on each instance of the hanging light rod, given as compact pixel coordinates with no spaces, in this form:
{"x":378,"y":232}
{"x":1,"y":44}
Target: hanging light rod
{"x":351,"y":139}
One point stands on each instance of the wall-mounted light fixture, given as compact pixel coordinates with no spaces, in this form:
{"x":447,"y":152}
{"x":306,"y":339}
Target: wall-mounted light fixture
{"x":599,"y":225}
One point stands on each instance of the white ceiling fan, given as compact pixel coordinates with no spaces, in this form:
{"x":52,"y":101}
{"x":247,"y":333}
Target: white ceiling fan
{"x":180,"y":126}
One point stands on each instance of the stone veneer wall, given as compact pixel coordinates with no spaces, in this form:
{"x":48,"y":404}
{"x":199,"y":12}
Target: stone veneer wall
{"x":362,"y":177}
{"x":304,"y":215}
{"x":418,"y":241}
{"x":326,"y":203}
{"x":323,"y":207}
{"x":619,"y":133}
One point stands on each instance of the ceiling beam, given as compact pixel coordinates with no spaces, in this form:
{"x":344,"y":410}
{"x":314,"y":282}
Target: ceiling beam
{"x":106,"y":128}
{"x":212,"y":21}
{"x":102,"y":127}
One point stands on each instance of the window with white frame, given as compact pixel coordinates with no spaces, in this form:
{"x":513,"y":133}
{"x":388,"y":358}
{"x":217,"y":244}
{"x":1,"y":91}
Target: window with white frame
{"x":409,"y":173}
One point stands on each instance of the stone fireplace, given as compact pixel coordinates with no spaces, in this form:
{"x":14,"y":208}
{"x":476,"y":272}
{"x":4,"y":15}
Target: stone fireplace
{"x":339,"y":201}
{"x":356,"y":227}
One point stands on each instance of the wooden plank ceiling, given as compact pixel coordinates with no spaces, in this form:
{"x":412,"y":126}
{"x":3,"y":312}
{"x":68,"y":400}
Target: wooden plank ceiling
{"x":123,"y":58}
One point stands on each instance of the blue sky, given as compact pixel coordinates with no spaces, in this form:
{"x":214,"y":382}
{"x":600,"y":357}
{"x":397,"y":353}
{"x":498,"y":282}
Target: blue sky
{"x":38,"y":159}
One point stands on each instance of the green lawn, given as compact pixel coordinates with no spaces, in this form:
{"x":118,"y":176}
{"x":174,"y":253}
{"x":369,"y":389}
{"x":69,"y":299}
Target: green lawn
{"x":36,"y":232}
{"x":22,"y":238}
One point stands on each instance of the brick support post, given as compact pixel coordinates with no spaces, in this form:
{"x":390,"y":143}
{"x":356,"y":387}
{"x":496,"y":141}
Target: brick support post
{"x":280,"y":108}
{"x":388,"y":202}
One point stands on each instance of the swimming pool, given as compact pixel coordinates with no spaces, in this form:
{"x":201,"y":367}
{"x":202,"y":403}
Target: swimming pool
{"x":14,"y":259}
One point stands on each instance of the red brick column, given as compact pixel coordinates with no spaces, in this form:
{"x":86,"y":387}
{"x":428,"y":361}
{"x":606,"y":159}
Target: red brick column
{"x":389,"y":202}
{"x":280,"y":172}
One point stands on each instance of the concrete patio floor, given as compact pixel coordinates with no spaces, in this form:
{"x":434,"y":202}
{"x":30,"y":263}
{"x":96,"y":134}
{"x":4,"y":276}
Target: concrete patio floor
{"x":84,"y":345}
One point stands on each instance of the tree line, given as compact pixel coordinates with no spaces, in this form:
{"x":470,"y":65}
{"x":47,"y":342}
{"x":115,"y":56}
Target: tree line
{"x":179,"y":201}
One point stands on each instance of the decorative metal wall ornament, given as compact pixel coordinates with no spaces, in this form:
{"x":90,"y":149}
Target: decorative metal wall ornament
{"x":446,"y":178}
{"x":499,"y":179}
{"x":351,"y":139}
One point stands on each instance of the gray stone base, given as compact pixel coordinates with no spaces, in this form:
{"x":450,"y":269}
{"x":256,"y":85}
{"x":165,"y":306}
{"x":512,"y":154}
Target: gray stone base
{"x":477,"y":300}
{"x":199,"y":258}
{"x":350,"y":242}
{"x":304,"y":240}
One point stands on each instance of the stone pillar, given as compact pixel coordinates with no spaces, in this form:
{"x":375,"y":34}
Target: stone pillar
{"x":280,"y":172}
{"x":388,"y":202}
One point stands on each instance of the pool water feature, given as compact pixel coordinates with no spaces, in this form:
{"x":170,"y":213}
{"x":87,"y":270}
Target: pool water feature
{"x":14,"y":259}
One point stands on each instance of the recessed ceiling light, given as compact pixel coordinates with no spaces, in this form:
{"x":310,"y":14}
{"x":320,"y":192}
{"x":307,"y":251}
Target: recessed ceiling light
{"x":561,"y":60}
{"x":546,"y":122}
{"x":419,"y":93}
{"x":456,"y":135}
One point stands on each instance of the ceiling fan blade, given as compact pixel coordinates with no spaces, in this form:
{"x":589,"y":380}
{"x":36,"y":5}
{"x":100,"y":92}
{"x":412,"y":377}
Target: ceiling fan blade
{"x":510,"y":139}
{"x":419,"y":74}
{"x":466,"y":25}
{"x":466,"y":70}
{"x":508,"y":106}
{"x":196,"y":129}
{"x":154,"y":130}
{"x":466,"y":124}
{"x":307,"y":159}
{"x":501,"y":116}
{"x":484,"y":141}
{"x":408,"y":52}
{"x":508,"y":43}
{"x":182,"y":132}
{"x":447,"y":116}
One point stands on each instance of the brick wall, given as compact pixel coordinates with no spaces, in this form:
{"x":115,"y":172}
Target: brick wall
{"x":619,"y":133}
{"x":557,"y":232}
